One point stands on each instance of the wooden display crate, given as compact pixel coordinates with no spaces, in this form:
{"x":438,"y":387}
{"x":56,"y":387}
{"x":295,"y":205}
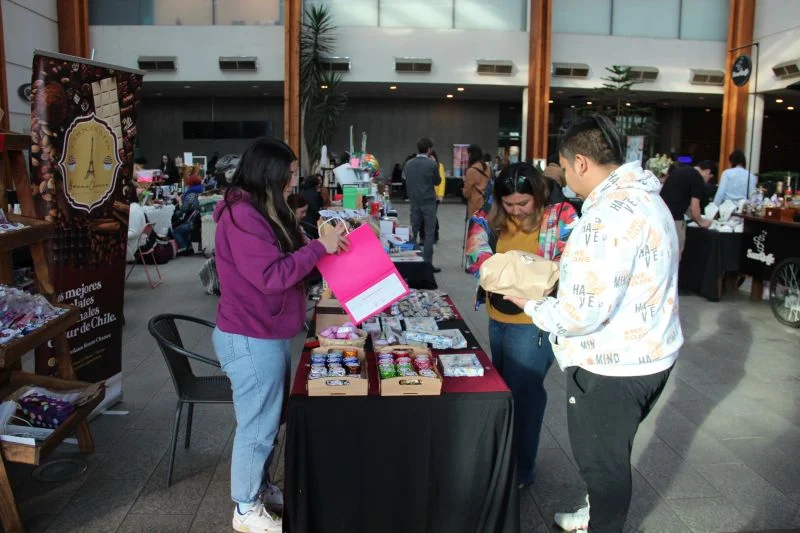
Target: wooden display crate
{"x":35,"y":454}
{"x":411,"y":385}
{"x":356,"y":385}
{"x":12,"y":351}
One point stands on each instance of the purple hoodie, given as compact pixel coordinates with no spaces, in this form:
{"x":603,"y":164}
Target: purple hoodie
{"x":261,"y":287}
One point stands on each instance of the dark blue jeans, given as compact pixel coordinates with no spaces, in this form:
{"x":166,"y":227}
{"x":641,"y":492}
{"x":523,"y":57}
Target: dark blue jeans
{"x":523,"y":355}
{"x":182,"y":235}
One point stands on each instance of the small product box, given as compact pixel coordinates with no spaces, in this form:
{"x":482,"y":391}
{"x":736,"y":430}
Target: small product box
{"x":333,"y":371}
{"x":405,"y":370}
{"x":461,"y":365}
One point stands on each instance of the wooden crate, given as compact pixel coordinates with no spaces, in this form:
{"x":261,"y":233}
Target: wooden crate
{"x":12,"y":351}
{"x":35,"y":230}
{"x":356,"y":385}
{"x":412,"y":385}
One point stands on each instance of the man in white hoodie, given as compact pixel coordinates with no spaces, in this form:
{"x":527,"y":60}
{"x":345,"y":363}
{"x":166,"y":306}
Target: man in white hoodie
{"x":614,"y":322}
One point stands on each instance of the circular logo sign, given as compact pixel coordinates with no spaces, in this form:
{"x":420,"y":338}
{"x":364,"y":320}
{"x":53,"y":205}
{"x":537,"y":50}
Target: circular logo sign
{"x":741,"y":70}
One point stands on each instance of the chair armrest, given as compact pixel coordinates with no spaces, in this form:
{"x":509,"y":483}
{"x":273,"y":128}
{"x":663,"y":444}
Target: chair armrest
{"x":200,"y":358}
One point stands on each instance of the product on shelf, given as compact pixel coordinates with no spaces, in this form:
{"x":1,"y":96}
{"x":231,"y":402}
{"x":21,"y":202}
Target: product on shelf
{"x":461,"y":365}
{"x":335,"y":364}
{"x":7,"y":226}
{"x":404,"y":363}
{"x":422,"y":304}
{"x":22,"y":312}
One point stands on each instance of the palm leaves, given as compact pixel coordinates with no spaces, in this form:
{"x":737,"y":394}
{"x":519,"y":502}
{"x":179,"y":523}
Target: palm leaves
{"x":321,"y":96}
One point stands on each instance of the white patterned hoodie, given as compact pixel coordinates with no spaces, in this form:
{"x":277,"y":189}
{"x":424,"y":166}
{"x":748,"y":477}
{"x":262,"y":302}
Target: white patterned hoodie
{"x":616,"y":310}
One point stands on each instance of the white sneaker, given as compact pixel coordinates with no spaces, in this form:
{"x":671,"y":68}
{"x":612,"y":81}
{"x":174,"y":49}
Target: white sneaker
{"x":577,"y":521}
{"x":272,"y":498}
{"x":256,"y":520}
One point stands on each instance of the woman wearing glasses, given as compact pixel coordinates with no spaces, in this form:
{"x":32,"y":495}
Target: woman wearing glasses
{"x":526,"y":213}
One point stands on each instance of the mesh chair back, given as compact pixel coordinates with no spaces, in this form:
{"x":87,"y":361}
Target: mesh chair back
{"x":165,"y":331}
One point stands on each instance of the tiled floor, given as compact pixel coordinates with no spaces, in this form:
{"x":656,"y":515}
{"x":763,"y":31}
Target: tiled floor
{"x":719,"y":453}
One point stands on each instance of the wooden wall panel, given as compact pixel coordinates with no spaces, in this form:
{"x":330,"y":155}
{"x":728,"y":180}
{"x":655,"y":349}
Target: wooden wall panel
{"x":291,"y":84}
{"x":73,"y":27}
{"x":539,"y":78}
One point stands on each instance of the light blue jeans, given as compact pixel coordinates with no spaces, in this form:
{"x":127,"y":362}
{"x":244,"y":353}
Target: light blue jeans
{"x":257,"y":369}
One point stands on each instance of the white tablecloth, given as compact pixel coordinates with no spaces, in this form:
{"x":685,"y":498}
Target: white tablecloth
{"x":160,"y":216}
{"x":209,"y":228}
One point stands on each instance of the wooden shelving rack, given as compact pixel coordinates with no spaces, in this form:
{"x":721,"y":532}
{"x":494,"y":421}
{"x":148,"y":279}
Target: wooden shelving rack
{"x":15,"y":173}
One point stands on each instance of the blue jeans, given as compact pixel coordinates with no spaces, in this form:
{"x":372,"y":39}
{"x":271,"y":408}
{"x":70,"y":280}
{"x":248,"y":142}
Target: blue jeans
{"x":523,"y":355}
{"x":257,"y":369}
{"x":182,"y":235}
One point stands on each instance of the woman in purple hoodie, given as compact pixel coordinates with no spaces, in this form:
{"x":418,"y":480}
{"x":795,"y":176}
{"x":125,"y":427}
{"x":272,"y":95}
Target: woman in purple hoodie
{"x":261,"y":261}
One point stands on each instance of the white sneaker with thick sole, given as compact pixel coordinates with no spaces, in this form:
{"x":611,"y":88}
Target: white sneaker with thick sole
{"x":272,"y":498}
{"x":577,"y":521}
{"x":256,"y":520}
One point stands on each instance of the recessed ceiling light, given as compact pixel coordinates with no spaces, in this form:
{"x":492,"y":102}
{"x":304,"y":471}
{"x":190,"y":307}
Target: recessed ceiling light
{"x":708,"y":110}
{"x":460,"y":89}
{"x":392,"y":87}
{"x":628,"y":104}
{"x":323,"y":86}
{"x":187,"y":86}
{"x":589,"y":102}
{"x":790,"y":108}
{"x":549,"y":101}
{"x":572,"y":107}
{"x":779,"y":100}
{"x":256,"y":86}
{"x":449,"y":95}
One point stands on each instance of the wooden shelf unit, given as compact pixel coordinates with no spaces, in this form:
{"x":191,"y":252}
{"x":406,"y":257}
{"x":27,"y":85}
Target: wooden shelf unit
{"x":14,"y":169}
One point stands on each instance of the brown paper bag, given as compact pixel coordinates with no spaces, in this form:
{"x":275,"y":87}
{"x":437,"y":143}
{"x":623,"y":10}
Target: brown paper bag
{"x":520,"y":274}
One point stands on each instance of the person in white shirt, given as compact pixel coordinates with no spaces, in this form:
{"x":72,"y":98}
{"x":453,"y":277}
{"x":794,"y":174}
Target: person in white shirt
{"x":614,"y":323}
{"x":736,"y":183}
{"x":136,"y":224}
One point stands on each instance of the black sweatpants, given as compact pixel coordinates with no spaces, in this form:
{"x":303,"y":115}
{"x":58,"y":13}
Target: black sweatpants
{"x":604,"y":414}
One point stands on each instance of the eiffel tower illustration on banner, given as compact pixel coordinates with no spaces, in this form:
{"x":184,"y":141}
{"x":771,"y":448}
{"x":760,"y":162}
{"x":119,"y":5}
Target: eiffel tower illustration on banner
{"x":90,"y":171}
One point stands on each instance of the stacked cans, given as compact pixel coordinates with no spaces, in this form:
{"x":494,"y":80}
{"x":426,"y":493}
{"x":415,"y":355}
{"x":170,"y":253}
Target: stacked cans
{"x":335,"y":364}
{"x":404,"y":363}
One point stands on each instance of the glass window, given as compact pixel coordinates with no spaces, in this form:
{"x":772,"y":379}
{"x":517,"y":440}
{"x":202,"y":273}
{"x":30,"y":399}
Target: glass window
{"x":416,"y":13}
{"x":705,"y":20}
{"x":646,"y":18}
{"x":182,"y":12}
{"x":349,"y":12}
{"x":588,"y":17}
{"x":246,"y":12}
{"x":504,"y":15}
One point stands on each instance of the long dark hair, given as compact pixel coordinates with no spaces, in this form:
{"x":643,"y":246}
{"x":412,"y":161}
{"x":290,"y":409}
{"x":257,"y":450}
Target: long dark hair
{"x":475,"y":155}
{"x":522,"y":178}
{"x":264,"y":171}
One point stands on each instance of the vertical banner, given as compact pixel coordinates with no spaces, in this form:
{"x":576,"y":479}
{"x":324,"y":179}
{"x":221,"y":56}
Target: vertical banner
{"x":460,"y":160}
{"x":635,"y":148}
{"x":83,"y":131}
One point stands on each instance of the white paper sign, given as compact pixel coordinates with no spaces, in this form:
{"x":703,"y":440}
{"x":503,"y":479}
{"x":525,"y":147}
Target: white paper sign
{"x":376,"y":297}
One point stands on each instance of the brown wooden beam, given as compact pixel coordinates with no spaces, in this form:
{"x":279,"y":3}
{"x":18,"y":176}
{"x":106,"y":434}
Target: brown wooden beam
{"x":291,"y":81}
{"x":735,"y":99}
{"x":539,"y":79}
{"x":73,"y":27}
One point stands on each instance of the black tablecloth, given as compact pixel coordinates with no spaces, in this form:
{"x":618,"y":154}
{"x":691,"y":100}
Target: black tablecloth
{"x":707,"y":256}
{"x":370,"y":464}
{"x":418,"y":275}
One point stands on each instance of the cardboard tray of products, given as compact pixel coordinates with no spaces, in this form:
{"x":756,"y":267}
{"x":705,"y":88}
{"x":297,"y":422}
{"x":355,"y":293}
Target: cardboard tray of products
{"x":335,"y":386}
{"x":413,"y":385}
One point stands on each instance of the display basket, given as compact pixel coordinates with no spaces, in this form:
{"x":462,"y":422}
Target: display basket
{"x":360,"y":342}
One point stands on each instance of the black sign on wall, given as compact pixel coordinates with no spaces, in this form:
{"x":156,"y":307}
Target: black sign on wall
{"x":741,"y":70}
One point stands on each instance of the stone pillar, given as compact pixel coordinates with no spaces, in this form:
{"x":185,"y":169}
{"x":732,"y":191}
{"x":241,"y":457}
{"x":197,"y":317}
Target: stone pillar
{"x":755,"y":127}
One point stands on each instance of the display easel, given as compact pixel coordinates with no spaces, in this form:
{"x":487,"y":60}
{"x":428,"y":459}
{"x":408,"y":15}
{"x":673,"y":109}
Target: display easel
{"x":15,"y":173}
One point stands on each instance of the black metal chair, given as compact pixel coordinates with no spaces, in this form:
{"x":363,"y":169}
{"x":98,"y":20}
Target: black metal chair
{"x":191,"y":389}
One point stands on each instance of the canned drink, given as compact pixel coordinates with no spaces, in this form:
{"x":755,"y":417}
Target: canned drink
{"x":407,"y":373}
{"x":353,"y":370}
{"x":402,"y":352}
{"x":403,"y":360}
{"x":387,"y":372}
{"x":318,"y":358}
{"x":427,"y":372}
{"x":350,"y":353}
{"x":337,"y":372}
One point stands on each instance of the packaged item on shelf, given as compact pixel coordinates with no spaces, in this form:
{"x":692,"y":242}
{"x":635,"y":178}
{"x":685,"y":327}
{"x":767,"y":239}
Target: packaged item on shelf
{"x":7,"y":226}
{"x":461,"y":365}
{"x":346,"y":335}
{"x":42,"y":410}
{"x":22,"y":312}
{"x":337,"y":371}
{"x":423,"y":304}
{"x":450,"y":339}
{"x":407,"y":371}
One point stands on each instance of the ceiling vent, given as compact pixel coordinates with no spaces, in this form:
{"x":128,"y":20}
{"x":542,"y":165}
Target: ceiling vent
{"x":644,"y":74}
{"x":787,"y":69}
{"x":495,"y":67}
{"x":238,"y":63}
{"x":570,"y":70}
{"x":706,"y":77}
{"x":417,"y":65}
{"x":336,"y":64}
{"x":158,"y":63}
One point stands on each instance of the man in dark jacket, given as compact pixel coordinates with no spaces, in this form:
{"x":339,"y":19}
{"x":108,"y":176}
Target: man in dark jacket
{"x":421,"y":178}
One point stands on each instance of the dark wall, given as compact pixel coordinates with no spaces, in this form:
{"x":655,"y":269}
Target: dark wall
{"x":393,"y":127}
{"x":780,"y":142}
{"x":700,"y":133}
{"x":161,"y":123}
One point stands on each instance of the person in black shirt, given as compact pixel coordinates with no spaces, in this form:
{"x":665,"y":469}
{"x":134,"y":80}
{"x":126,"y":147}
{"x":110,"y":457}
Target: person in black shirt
{"x":708,"y":170}
{"x":682,"y":191}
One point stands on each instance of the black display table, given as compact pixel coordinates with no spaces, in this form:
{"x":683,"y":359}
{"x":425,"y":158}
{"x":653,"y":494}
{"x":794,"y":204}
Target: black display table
{"x":435,"y":464}
{"x":708,"y":257}
{"x":767,"y":242}
{"x":418,"y":275}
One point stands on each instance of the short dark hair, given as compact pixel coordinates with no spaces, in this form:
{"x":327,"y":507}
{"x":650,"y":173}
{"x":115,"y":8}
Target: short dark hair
{"x":487,"y":157}
{"x":707,"y":165}
{"x":295,"y":201}
{"x":595,"y":137}
{"x":475,"y":154}
{"x":423,"y":145}
{"x":737,"y":158}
